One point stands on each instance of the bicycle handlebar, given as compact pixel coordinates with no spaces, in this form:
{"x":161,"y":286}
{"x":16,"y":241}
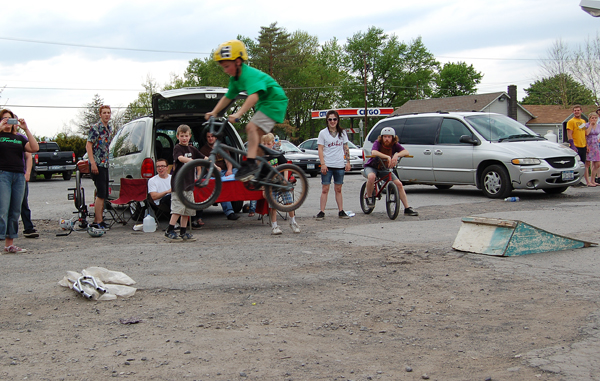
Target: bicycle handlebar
{"x":211,"y":124}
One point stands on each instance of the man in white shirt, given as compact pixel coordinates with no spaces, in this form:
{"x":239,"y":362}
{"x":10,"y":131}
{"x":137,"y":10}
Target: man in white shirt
{"x":159,"y":187}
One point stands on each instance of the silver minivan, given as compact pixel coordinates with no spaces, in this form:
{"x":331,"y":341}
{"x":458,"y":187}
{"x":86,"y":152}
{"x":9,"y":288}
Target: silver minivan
{"x":135,"y":148}
{"x":491,"y":151}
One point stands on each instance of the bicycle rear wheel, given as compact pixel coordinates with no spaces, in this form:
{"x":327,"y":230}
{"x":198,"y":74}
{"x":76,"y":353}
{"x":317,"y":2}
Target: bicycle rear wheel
{"x":363,"y":202}
{"x":391,"y":201}
{"x":287,"y":200}
{"x":199,"y":195}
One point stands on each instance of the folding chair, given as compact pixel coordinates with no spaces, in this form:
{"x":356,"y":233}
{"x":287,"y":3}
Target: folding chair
{"x":132,"y":191}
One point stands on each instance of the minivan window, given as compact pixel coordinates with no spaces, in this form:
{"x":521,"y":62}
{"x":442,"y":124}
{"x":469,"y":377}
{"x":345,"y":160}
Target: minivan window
{"x":183,"y":105}
{"x":396,"y":124}
{"x":496,"y":127}
{"x":451,"y":131}
{"x":420,"y":130}
{"x":129,"y":140}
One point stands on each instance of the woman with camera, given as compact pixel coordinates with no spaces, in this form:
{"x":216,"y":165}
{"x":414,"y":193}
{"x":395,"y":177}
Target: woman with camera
{"x":12,"y":175}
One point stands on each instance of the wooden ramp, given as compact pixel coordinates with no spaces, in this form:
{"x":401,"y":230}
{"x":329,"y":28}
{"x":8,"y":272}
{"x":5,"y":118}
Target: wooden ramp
{"x":508,"y":238}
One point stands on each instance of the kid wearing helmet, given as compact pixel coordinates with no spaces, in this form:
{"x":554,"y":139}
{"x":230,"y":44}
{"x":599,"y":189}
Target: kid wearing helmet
{"x":389,"y":150}
{"x":264,"y":93}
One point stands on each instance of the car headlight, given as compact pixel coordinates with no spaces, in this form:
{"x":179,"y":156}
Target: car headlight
{"x":526,"y":161}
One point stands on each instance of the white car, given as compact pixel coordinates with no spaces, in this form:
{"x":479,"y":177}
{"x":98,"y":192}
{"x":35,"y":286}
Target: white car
{"x":356,"y":154}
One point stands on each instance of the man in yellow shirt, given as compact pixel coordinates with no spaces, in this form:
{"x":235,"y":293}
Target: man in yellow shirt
{"x":576,"y":135}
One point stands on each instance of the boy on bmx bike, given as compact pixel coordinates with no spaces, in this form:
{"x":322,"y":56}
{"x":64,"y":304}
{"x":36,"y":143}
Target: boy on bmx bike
{"x":263,"y":92}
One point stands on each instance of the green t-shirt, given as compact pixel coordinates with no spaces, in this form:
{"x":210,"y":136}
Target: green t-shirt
{"x":271,"y":97}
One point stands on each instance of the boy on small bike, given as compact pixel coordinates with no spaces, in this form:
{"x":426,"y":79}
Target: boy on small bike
{"x":388,"y":151}
{"x":263,"y":92}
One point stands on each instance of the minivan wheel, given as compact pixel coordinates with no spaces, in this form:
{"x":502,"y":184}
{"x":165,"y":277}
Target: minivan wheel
{"x":555,"y":190}
{"x":496,"y":183}
{"x":443,"y":186}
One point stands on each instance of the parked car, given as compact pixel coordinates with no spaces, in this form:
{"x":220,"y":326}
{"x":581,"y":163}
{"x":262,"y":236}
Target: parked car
{"x":491,"y":151}
{"x":308,"y":162}
{"x":356,"y":154}
{"x":50,"y":159}
{"x":135,"y":148}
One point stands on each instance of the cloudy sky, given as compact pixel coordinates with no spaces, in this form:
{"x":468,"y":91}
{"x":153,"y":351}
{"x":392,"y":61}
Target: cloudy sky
{"x":56,"y":55}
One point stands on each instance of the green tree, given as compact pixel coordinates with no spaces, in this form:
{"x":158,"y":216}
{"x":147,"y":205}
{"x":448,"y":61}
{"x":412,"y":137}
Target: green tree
{"x":71,"y":143}
{"x":394,"y":71}
{"x":455,"y":79}
{"x":88,"y":115}
{"x":143,"y":104}
{"x":560,"y":89}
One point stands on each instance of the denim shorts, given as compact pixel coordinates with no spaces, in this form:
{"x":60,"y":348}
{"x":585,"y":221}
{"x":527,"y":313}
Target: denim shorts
{"x":336,"y":173}
{"x":378,"y":173}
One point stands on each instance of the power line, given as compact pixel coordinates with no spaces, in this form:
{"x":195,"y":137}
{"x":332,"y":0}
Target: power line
{"x":99,"y":47}
{"x":65,"y":88}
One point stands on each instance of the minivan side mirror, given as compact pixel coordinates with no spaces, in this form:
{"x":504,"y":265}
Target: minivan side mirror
{"x":469,"y":140}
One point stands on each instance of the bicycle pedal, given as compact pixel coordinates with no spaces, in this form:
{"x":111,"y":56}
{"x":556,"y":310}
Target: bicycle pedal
{"x":70,"y":197}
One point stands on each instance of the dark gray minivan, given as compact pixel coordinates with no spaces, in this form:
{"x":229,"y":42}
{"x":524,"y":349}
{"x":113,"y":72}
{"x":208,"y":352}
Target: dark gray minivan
{"x":491,"y":151}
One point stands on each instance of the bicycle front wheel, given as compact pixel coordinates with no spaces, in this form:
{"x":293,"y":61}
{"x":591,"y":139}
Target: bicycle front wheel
{"x":282,"y":199}
{"x":392,"y":200}
{"x":363,"y":201}
{"x":199,"y":193}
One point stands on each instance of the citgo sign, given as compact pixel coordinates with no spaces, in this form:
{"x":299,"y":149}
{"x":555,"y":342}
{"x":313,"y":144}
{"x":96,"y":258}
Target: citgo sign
{"x":355,"y":112}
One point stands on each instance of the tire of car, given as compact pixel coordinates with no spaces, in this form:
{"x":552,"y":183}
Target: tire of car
{"x":32,"y":176}
{"x":48,"y":176}
{"x":237,"y":206}
{"x":314,"y":174}
{"x":443,"y":186}
{"x":496,"y":182}
{"x":67,"y":176}
{"x":555,"y":190}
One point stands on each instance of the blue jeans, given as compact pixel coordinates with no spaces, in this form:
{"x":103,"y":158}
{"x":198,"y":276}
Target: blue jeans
{"x":25,"y":211}
{"x":12,"y":189}
{"x":226,"y":206}
{"x":336,"y":173}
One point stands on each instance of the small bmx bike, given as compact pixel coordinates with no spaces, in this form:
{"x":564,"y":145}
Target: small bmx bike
{"x":383,"y":184}
{"x":286,"y":186}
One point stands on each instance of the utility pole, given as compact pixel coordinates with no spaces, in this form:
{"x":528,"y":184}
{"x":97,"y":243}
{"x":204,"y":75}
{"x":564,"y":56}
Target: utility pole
{"x":362,"y":133}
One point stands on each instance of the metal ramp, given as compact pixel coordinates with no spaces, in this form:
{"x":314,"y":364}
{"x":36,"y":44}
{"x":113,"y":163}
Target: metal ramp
{"x":508,"y":238}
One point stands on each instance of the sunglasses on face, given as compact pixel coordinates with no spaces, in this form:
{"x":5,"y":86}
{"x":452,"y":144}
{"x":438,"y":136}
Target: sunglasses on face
{"x":161,"y":166}
{"x":332,"y":119}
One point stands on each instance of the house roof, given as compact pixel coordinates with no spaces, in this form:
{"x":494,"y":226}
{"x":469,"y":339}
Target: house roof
{"x":553,"y":114}
{"x":476,"y":102}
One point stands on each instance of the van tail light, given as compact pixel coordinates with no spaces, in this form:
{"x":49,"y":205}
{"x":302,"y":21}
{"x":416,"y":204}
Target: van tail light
{"x":363,"y":152}
{"x":147,"y":168}
{"x":36,"y":159}
{"x":73,"y":157}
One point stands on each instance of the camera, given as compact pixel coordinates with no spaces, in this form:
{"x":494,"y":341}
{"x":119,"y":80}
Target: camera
{"x":12,"y":121}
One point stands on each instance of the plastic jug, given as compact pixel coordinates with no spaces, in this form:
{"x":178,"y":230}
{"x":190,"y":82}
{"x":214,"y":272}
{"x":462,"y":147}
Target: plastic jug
{"x":149,"y":224}
{"x":551,"y":136}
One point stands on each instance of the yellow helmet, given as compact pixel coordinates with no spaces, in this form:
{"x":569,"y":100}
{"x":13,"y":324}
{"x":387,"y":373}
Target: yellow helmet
{"x":230,"y":51}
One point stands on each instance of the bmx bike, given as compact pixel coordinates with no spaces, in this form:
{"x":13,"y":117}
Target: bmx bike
{"x":383,"y":184}
{"x":285,"y":186}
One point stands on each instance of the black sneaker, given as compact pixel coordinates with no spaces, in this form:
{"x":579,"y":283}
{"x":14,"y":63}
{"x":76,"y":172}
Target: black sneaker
{"x":233,"y":217}
{"x":343,"y":215}
{"x":410,"y":212}
{"x":103,"y":225}
{"x":369,"y":201}
{"x":320,"y":216}
{"x":30,"y":233}
{"x":247,"y":172}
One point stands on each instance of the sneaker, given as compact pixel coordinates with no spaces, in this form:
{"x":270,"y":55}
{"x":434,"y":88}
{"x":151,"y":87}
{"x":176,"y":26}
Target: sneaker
{"x":295,"y":227}
{"x":410,"y":212}
{"x":247,"y":172}
{"x":12,"y":249}
{"x":320,"y":216}
{"x":103,"y":225}
{"x":173,"y":237}
{"x":187,"y":237}
{"x":232,"y":216}
{"x":369,"y":201}
{"x":276,"y":231}
{"x":30,"y":233}
{"x":343,"y":215}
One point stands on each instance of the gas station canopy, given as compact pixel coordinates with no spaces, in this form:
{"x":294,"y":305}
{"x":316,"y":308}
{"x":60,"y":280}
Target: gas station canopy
{"x":355,"y":112}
